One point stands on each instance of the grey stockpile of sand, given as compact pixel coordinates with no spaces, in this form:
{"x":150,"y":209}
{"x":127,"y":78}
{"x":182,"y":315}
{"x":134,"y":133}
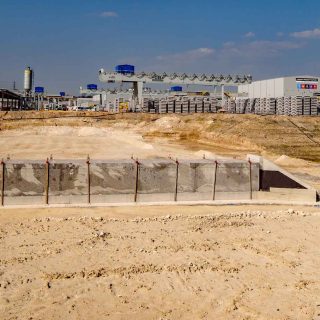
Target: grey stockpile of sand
{"x":160,"y":263}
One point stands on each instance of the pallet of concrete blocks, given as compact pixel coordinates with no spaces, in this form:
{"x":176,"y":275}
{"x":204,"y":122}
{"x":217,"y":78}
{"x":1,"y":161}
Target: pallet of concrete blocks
{"x":296,"y":106}
{"x":185,"y":105}
{"x":145,"y":105}
{"x":213,"y":104}
{"x":314,"y":106}
{"x":156,"y":104}
{"x":286,"y":106}
{"x":170,"y":102}
{"x":177,"y":107}
{"x":238,"y":106}
{"x":192,"y":105}
{"x":280,"y":106}
{"x":263,"y":106}
{"x":163,"y":105}
{"x":306,"y":106}
{"x":231,"y":106}
{"x":250,"y":106}
{"x":257,"y":106}
{"x":199,"y":104}
{"x":243,"y":106}
{"x":206,"y":105}
{"x":270,"y":106}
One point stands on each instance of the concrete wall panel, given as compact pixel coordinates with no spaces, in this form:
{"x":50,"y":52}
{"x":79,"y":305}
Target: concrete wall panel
{"x":68,"y":182}
{"x":115,"y":181}
{"x":24,"y":181}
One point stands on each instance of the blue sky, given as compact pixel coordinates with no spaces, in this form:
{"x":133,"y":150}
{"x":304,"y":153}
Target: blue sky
{"x":66,"y":42}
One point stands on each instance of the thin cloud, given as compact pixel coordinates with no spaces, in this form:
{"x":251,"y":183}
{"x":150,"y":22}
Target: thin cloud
{"x":307,"y":34}
{"x":250,"y":34}
{"x":189,"y":55}
{"x":109,"y":14}
{"x":261,"y":48}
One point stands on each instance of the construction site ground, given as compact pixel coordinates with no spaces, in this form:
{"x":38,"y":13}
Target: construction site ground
{"x":161,"y":262}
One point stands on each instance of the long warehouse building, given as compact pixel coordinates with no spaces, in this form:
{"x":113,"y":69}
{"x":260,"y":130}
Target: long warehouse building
{"x":281,"y":87}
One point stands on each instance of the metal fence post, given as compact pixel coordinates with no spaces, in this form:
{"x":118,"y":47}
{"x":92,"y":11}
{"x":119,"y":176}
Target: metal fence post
{"x":89,"y":180}
{"x":177,"y":178}
{"x":47,"y":181}
{"x":214,"y":180}
{"x":250,"y":178}
{"x":2,"y":182}
{"x":137,"y":182}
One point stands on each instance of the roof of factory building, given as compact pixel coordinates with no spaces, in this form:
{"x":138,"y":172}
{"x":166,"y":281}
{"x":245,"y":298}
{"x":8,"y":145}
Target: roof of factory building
{"x":8,"y":94}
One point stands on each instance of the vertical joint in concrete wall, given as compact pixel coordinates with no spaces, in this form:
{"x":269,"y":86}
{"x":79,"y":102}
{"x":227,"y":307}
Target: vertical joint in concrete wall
{"x":47,"y":181}
{"x":2,"y":182}
{"x":137,"y":181}
{"x":214,"y":182}
{"x":89,"y":179}
{"x":250,"y":177}
{"x":177,"y":181}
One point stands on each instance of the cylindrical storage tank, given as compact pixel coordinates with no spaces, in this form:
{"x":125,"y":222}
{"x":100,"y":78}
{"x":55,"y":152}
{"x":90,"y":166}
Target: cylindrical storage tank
{"x":92,"y":86}
{"x":125,"y":68}
{"x":62,"y":94}
{"x":39,"y":89}
{"x":176,"y":88}
{"x":28,"y":77}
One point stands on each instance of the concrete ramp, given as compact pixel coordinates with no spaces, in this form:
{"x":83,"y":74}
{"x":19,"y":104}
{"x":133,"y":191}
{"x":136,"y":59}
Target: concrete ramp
{"x":57,"y":182}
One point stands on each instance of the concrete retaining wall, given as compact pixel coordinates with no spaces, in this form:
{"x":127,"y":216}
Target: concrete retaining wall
{"x":123,"y":181}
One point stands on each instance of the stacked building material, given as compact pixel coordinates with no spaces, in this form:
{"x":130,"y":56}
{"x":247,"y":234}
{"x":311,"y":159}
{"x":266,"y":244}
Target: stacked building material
{"x":263,"y":106}
{"x":296,"y":106}
{"x":250,"y":107}
{"x":145,"y":104}
{"x":185,"y":106}
{"x":270,"y":106}
{"x":314,"y":106}
{"x":241,"y":105}
{"x":286,"y":106}
{"x":192,"y":105}
{"x":199,"y":104}
{"x":178,"y":105}
{"x":156,"y":105}
{"x":170,"y":103}
{"x":213,"y":104}
{"x":231,"y":106}
{"x":257,"y":106}
{"x":306,"y":106}
{"x":206,"y":105}
{"x":280,"y":106}
{"x":163,"y":106}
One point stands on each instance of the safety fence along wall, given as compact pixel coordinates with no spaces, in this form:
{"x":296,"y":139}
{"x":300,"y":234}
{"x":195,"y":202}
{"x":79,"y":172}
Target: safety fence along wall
{"x":124,"y":181}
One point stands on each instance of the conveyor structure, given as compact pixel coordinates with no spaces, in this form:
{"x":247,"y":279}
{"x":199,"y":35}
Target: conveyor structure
{"x":139,"y":79}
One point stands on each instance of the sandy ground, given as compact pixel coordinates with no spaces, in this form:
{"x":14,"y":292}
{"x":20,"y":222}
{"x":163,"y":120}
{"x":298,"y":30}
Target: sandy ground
{"x":65,"y":142}
{"x":293,"y":143}
{"x":202,"y":262}
{"x":195,"y":262}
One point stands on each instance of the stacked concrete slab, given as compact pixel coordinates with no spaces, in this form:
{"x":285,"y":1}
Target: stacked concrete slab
{"x":314,"y":106}
{"x":289,"y":106}
{"x":280,"y":106}
{"x":296,"y":108}
{"x":306,"y":106}
{"x":182,"y":104}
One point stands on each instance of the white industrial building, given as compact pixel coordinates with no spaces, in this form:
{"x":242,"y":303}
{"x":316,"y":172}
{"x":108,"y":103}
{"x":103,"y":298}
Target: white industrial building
{"x":281,"y":87}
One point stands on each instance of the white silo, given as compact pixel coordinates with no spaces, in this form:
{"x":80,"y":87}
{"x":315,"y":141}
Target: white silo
{"x":28,"y":79}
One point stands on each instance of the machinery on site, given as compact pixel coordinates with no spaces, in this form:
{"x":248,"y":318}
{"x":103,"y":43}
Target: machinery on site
{"x":127,"y":74}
